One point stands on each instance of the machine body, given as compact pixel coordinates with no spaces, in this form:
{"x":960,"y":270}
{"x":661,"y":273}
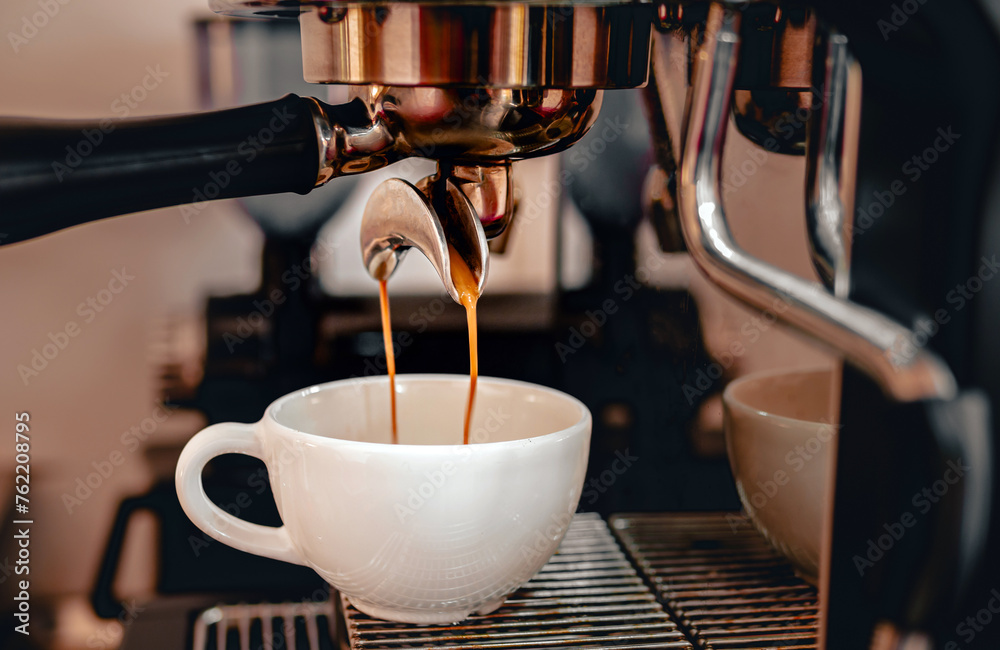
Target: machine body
{"x":479,"y":86}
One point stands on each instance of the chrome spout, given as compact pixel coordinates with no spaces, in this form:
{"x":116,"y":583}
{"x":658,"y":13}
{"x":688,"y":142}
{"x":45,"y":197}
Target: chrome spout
{"x":432,"y":219}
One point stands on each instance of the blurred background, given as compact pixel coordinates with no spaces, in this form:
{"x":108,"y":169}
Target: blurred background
{"x":98,"y":399}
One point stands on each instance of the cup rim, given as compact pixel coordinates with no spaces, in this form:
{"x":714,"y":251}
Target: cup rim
{"x":580,"y":425}
{"x":729,"y":401}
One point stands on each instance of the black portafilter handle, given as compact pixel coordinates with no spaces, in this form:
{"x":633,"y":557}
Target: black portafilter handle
{"x":56,"y":174}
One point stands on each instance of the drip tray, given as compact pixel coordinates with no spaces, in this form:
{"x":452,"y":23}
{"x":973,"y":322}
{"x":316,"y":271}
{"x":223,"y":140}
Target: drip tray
{"x":266,"y":626}
{"x":588,"y":595}
{"x":721,"y":580}
{"x":704,"y":582}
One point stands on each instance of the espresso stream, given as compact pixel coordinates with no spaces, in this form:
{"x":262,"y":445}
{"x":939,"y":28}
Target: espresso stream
{"x":468,"y":294}
{"x":390,"y":354}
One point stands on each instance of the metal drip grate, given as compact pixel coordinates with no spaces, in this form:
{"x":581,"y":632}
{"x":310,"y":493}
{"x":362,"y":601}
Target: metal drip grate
{"x":713,"y":573}
{"x":588,"y":595}
{"x":721,"y":580}
{"x":266,"y":626}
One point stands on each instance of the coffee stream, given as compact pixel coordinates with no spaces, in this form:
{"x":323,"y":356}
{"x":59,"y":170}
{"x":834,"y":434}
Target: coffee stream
{"x":390,"y":355}
{"x":468,"y":294}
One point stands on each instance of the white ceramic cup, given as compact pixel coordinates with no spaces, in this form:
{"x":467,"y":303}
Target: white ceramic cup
{"x":426,"y":531}
{"x":781,"y":444}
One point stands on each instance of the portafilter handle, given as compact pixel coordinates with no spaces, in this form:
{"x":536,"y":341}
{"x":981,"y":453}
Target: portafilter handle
{"x":56,"y":174}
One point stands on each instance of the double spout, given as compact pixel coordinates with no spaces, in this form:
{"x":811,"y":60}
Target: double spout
{"x":475,"y":134}
{"x":457,"y":208}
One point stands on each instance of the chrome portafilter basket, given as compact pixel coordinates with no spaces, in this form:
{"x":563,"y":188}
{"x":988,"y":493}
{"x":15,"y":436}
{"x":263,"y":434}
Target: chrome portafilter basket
{"x":474,"y":86}
{"x":530,"y":86}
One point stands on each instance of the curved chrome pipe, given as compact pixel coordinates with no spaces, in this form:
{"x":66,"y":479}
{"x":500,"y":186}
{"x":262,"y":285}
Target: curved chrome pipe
{"x":827,"y":207}
{"x":876,"y":344}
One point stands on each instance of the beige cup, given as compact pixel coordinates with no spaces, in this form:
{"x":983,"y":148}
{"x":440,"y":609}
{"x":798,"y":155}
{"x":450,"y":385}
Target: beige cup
{"x":781,"y":444}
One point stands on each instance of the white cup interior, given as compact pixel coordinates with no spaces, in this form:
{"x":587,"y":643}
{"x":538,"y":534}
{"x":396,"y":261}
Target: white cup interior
{"x":430,"y":410}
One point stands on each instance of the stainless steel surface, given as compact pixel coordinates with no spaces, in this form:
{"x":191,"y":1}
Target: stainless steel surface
{"x":474,"y":86}
{"x":481,"y":124}
{"x":879,"y":346}
{"x":326,"y":141}
{"x":588,"y":595}
{"x":726,"y":587}
{"x":772,"y":98}
{"x":471,"y":126}
{"x":307,"y":625}
{"x":463,"y":228}
{"x":485,"y":44}
{"x":794,"y":41}
{"x":490,"y":191}
{"x":829,"y":187}
{"x":398,"y":216}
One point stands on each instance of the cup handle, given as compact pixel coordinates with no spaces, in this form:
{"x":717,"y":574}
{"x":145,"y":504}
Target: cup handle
{"x":218,"y":439}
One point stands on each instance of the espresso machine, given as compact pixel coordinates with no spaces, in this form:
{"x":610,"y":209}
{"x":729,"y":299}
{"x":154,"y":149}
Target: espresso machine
{"x":894,"y":107}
